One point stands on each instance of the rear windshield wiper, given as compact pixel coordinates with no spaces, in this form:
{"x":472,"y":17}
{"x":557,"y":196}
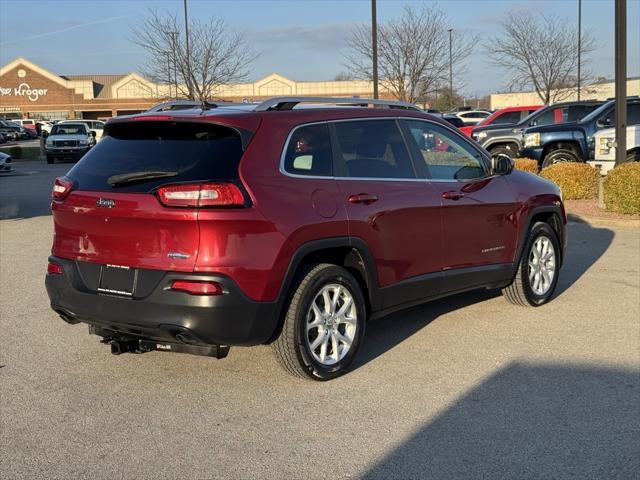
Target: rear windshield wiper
{"x":122,"y":178}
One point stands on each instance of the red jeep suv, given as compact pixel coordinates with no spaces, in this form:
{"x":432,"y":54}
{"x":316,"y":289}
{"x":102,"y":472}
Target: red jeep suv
{"x":194,"y":230}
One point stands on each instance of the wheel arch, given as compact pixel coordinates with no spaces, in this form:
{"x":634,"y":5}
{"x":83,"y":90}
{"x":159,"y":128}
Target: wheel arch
{"x":352,"y":254}
{"x":549,"y":214}
{"x":572,"y":145}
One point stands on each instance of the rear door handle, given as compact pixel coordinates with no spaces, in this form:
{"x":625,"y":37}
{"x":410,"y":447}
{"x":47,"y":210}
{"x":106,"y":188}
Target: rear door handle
{"x":363,"y":198}
{"x":452,"y":195}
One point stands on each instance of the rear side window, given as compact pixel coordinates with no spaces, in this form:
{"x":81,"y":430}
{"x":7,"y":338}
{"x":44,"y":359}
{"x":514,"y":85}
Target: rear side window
{"x":372,"y":149}
{"x":507,"y":117}
{"x":309,"y":152}
{"x":179,"y":151}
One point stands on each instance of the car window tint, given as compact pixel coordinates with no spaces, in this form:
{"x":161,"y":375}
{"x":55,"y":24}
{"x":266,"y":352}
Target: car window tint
{"x":633,"y":114}
{"x":446,"y":156}
{"x":372,"y":149}
{"x":309,"y":152}
{"x":507,"y":117}
{"x":195,"y":152}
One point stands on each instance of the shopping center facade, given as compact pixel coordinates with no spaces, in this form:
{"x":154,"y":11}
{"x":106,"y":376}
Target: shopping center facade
{"x":28,"y":90}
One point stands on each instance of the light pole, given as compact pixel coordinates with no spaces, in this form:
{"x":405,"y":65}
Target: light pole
{"x":186,"y":33}
{"x":450,"y":70}
{"x":621,"y":80}
{"x":579,"y":42}
{"x":374,"y":47}
{"x":174,"y":44}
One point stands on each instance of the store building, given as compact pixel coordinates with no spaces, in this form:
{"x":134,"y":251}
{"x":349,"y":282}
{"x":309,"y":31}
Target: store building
{"x":30,"y":91}
{"x":600,"y":90}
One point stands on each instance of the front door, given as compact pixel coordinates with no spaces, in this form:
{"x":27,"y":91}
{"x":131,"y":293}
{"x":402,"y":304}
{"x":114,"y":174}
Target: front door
{"x":479,"y":231}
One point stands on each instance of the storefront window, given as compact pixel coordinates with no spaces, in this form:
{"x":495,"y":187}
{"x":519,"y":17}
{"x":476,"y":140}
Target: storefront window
{"x":49,"y":115}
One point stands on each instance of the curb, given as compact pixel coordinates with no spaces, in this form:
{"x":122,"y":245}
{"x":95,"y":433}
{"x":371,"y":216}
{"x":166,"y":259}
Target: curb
{"x":604,"y":222}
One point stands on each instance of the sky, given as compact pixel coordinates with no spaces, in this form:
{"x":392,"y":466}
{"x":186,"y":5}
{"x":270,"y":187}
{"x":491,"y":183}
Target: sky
{"x":300,"y":39}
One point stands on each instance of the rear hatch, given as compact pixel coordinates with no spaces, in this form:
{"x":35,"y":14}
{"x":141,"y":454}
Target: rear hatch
{"x":134,"y":197}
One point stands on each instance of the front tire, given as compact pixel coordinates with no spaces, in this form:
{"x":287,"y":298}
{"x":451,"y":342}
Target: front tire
{"x":50,"y":159}
{"x":561,"y":155}
{"x":537,"y":274}
{"x":503,"y":150}
{"x":324,"y":324}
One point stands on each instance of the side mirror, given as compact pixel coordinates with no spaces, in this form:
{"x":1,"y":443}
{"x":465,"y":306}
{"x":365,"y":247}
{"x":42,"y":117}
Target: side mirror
{"x":44,"y":134}
{"x":502,"y":164}
{"x":93,"y":133}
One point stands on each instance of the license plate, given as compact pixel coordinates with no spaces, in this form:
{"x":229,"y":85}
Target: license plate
{"x":117,"y":280}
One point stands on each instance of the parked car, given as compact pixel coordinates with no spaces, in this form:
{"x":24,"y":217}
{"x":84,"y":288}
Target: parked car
{"x":605,"y":148}
{"x":3,"y":138}
{"x":43,"y":125}
{"x":504,"y":116}
{"x":68,"y":141}
{"x":454,"y":120}
{"x":473,"y":117}
{"x":93,"y":125}
{"x":25,"y":122}
{"x":574,"y":141}
{"x":5,"y":162}
{"x":195,"y":230}
{"x":11,"y":130}
{"x":507,"y":139}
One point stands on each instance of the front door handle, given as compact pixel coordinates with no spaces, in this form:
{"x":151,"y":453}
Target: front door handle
{"x":363,"y":198}
{"x":453,"y":195}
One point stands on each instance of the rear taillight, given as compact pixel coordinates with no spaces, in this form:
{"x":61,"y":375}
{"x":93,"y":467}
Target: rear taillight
{"x":201,"y":195}
{"x":196,"y":287}
{"x":54,"y":269}
{"x":61,"y":188}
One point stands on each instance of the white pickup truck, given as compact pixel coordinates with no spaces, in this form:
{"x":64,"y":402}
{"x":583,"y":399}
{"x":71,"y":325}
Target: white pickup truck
{"x":605,"y":145}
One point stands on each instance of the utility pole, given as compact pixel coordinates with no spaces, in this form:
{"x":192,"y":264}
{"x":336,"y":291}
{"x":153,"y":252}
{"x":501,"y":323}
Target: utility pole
{"x":169,"y":72}
{"x":579,"y":42}
{"x":450,"y":71}
{"x":174,"y":45}
{"x":186,"y":33}
{"x":621,"y":80}
{"x":374,"y":47}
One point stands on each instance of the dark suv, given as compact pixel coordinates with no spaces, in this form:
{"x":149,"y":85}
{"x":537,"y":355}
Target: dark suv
{"x":508,"y":140}
{"x":574,"y":141}
{"x":194,"y":230}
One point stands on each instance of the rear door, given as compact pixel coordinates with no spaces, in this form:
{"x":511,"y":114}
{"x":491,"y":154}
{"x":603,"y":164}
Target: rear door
{"x":113,"y":217}
{"x":389,"y":207}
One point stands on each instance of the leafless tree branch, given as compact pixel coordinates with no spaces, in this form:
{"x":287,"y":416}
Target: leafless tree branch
{"x":217,"y":56}
{"x":540,"y":52}
{"x":413,"y":52}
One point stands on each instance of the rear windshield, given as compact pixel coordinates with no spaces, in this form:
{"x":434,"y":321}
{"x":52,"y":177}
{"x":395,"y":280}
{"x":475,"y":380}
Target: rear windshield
{"x":172,"y":152}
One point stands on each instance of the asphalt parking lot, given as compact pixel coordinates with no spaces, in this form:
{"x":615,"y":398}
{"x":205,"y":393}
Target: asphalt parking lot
{"x":466,"y":387}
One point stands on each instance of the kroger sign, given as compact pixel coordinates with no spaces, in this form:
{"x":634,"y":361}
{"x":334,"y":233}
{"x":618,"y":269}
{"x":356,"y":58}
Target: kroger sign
{"x":24,"y":90}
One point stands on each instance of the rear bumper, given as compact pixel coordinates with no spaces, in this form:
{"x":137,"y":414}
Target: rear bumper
{"x":163,"y":314}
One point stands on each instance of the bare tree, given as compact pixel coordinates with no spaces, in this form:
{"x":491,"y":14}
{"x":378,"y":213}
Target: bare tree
{"x":217,"y":56}
{"x":540,"y":52}
{"x":413,"y":52}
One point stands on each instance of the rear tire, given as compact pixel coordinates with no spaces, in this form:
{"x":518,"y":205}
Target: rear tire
{"x":561,"y":155}
{"x":537,"y":274}
{"x":319,"y":339}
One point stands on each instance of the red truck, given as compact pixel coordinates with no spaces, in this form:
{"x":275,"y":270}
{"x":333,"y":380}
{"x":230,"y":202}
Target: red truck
{"x":504,"y":116}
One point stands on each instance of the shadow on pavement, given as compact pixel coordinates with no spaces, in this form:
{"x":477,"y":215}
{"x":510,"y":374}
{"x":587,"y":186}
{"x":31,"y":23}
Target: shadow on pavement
{"x":586,"y":245}
{"x":530,"y":421}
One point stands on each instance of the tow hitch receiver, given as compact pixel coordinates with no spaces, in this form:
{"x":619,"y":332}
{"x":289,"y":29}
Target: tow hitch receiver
{"x":120,"y":346}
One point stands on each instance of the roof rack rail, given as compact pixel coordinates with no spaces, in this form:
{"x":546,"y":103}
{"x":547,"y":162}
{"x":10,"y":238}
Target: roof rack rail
{"x":288,"y":103}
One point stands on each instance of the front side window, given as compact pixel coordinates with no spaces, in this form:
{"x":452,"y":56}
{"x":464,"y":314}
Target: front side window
{"x":372,"y":149}
{"x":309,"y":152}
{"x":446,"y":156}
